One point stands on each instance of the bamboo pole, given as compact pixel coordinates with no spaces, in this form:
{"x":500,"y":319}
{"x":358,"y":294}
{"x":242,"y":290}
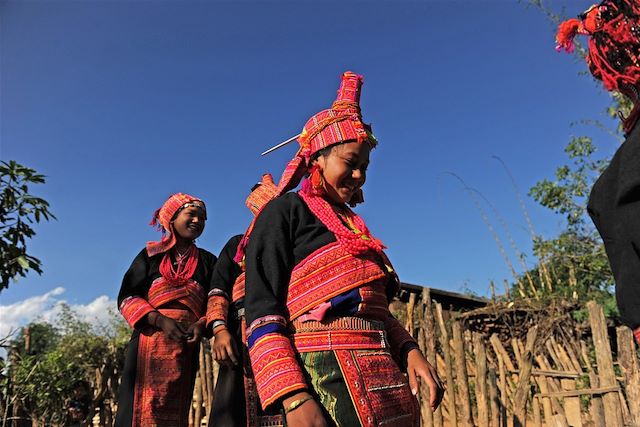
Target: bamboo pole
{"x":612,"y":408}
{"x":450,"y":390}
{"x":481,"y":379}
{"x":630,"y":367}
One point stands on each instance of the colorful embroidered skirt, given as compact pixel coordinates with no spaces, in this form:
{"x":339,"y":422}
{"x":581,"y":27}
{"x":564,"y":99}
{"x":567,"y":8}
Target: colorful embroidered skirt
{"x":157,"y":381}
{"x":354,"y":377}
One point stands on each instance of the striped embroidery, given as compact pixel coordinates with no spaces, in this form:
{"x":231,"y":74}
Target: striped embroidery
{"x":190,"y":294}
{"x":276,"y":369}
{"x":217,"y":308}
{"x":238,"y":288}
{"x":135,"y":308}
{"x":326,"y":273}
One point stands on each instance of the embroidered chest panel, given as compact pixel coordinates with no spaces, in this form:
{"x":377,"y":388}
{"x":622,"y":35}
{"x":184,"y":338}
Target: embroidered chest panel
{"x":328,"y":272}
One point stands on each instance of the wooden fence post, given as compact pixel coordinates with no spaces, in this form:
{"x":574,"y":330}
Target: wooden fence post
{"x":446,"y":349}
{"x":571,"y":404}
{"x":522,"y":390}
{"x":493,"y":399}
{"x":426,"y":414}
{"x":430,"y":345}
{"x":208,"y":361}
{"x":628,"y":362}
{"x":462,"y":379}
{"x":596,"y":409}
{"x":612,"y":409}
{"x":481,"y":379}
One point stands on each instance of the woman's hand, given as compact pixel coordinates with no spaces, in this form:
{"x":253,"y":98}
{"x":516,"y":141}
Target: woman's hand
{"x":308,"y":414}
{"x":224,"y":348}
{"x":418,"y":367}
{"x":171,"y":328}
{"x":195,"y":332}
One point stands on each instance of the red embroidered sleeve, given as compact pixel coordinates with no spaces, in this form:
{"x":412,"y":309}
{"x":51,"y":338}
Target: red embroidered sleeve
{"x":277,"y":372}
{"x":399,"y":338}
{"x":217,"y":306}
{"x":133,"y":309}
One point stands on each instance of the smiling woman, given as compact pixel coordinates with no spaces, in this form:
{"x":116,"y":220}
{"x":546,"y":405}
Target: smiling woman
{"x":164,"y":297}
{"x":323,"y":345}
{"x":343,"y":169}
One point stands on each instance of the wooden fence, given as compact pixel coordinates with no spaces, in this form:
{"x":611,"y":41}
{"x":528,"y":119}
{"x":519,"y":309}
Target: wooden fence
{"x":490,"y":381}
{"x":497,"y":380}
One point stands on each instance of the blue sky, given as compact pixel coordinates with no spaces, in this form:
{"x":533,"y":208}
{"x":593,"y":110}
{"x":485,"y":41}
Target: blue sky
{"x":121,"y":103}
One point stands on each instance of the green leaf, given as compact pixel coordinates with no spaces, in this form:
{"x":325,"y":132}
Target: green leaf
{"x":24,"y":263}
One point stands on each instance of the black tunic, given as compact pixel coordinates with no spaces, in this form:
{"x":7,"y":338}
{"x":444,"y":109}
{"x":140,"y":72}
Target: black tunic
{"x":285,"y":233}
{"x":229,"y":408}
{"x":145,"y":269}
{"x":137,"y":282}
{"x":614,"y":207}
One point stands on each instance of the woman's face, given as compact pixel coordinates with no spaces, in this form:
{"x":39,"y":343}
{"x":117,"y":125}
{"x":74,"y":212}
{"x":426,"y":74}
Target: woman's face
{"x":189,"y":223}
{"x":344,"y":170}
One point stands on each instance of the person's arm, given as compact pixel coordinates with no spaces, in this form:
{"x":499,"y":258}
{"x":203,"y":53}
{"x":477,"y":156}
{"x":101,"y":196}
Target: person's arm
{"x":223,"y":277}
{"x":132,"y":303}
{"x":135,"y":308}
{"x":269,"y":262}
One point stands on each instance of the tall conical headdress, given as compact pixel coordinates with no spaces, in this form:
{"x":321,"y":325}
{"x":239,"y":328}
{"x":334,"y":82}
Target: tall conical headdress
{"x":340,"y":123}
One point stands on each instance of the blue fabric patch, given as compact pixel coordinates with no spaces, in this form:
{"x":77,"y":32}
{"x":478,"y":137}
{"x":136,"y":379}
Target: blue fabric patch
{"x":346,"y":304}
{"x":261,"y":331}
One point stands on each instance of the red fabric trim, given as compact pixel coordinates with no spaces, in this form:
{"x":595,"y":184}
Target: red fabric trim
{"x":237,"y":292}
{"x":217,"y":309}
{"x":636,"y":334}
{"x":275,"y":367}
{"x":163,"y":389}
{"x":190,"y":294}
{"x":379,"y":391}
{"x":338,"y":340}
{"x":133,"y":309}
{"x":328,"y":272}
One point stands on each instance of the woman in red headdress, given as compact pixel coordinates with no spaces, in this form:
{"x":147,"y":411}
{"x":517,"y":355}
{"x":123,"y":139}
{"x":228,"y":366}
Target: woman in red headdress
{"x":613,"y":28}
{"x":235,"y":400}
{"x":164,"y":297}
{"x":324,"y":347}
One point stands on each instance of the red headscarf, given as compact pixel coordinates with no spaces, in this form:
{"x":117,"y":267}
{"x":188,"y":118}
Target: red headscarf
{"x":162,"y":221}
